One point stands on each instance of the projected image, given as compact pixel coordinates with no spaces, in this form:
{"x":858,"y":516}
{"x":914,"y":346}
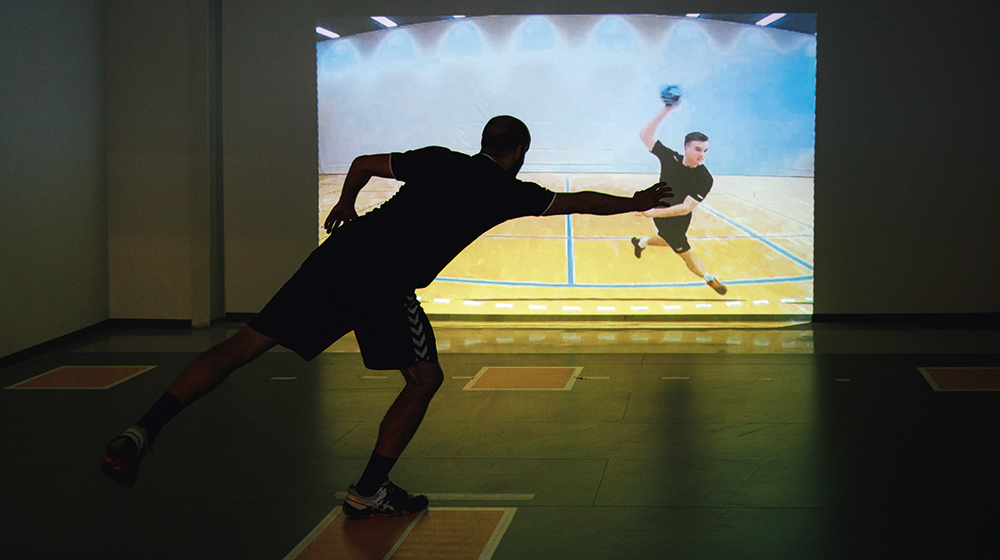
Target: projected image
{"x":721,"y":111}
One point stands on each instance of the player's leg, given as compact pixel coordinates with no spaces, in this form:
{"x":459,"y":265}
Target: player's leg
{"x":697,"y":266}
{"x":206,"y":372}
{"x":401,"y":421}
{"x":693,"y":262}
{"x":641,"y":243}
{"x":405,"y":338}
{"x":374,"y":495}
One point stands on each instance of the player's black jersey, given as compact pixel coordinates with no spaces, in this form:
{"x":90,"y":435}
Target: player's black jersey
{"x":448,"y":199}
{"x":685,"y":181}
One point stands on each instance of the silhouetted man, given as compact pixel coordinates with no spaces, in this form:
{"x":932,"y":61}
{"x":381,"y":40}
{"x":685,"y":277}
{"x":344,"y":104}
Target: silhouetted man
{"x":363,"y":277}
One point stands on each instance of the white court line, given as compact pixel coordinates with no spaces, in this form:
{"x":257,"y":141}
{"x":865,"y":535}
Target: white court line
{"x":491,"y":545}
{"x":308,"y":539}
{"x":470,"y":386}
{"x":929,"y":379}
{"x":119,"y":382}
{"x":405,"y":534}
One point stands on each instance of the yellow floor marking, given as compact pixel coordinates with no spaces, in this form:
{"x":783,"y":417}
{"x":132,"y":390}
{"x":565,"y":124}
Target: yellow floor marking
{"x":342,"y":538}
{"x":452,"y":534}
{"x":525,"y":378}
{"x":962,"y":378}
{"x":82,"y":377}
{"x":437,"y":533}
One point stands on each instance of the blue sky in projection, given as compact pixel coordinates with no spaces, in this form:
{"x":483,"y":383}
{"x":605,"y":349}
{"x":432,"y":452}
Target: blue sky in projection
{"x":585,"y":85}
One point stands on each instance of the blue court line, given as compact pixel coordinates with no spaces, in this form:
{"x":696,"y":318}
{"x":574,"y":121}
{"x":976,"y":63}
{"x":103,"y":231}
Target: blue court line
{"x":570,"y":264}
{"x":515,"y":283}
{"x":758,"y":237}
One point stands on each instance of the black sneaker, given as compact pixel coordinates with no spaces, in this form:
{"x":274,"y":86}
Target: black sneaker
{"x":638,"y":248}
{"x":125,"y":452}
{"x":389,"y":501}
{"x":717,"y":286}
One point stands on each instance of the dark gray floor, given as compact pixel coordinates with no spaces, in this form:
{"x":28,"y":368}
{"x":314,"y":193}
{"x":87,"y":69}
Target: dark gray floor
{"x":757,"y":455}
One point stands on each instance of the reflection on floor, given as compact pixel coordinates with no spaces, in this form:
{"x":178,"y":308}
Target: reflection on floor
{"x":829,"y":441}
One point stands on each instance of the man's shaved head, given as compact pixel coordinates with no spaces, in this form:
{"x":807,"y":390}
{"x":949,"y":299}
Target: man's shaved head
{"x":504,"y":133}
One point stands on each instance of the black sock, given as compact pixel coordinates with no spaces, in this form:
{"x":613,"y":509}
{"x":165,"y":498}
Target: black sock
{"x":162,"y":411}
{"x":375,"y":474}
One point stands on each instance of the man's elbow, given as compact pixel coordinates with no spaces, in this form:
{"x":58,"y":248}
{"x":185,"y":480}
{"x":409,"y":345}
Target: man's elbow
{"x":647,"y":140}
{"x":373,"y":165}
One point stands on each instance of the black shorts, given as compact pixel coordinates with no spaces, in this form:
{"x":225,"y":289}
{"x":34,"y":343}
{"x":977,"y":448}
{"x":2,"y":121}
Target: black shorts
{"x":673,"y":230}
{"x":317,"y":306}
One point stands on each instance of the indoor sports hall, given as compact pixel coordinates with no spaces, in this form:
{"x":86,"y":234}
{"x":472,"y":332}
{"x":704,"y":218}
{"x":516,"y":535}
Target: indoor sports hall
{"x":159,"y":165}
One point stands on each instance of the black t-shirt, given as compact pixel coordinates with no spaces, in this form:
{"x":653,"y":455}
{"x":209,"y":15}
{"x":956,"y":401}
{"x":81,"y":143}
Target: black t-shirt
{"x":448,"y":199}
{"x":685,"y":181}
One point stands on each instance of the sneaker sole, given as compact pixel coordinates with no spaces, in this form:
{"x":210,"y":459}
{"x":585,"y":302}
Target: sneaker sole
{"x":124,"y":479}
{"x":370,"y":513}
{"x":361,"y":515}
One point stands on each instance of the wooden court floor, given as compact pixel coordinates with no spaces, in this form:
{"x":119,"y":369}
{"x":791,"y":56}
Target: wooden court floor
{"x":754,"y":233}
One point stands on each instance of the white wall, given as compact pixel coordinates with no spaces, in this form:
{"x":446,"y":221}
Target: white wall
{"x":53,"y":218}
{"x":270,"y":154}
{"x":162,"y":192}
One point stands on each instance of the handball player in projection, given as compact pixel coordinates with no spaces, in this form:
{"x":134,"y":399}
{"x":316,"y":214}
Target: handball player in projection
{"x":691,"y":182}
{"x":363,"y":277}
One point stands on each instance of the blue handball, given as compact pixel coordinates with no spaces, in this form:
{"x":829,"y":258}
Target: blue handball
{"x":670,"y":94}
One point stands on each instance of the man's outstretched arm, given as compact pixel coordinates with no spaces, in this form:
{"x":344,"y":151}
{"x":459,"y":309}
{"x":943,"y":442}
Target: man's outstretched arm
{"x":648,"y":132}
{"x":589,"y":202}
{"x":363,"y":168}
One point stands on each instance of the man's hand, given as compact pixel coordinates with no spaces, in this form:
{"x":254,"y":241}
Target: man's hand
{"x":650,"y":198}
{"x":340,"y":215}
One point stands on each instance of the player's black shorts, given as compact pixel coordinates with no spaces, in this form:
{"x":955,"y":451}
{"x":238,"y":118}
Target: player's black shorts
{"x":319,"y":304}
{"x":673,"y":230}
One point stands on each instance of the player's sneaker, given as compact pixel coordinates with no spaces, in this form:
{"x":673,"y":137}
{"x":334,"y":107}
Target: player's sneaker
{"x":389,"y":501}
{"x":125,"y":452}
{"x":638,"y":248}
{"x":716,"y":285}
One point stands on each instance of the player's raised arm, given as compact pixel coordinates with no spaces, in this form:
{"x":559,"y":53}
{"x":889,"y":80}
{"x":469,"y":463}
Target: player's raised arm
{"x":363,"y":168}
{"x":648,"y":132}
{"x":589,"y":202}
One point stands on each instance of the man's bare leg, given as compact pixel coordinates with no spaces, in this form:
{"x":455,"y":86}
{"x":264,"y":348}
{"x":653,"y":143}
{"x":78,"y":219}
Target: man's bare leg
{"x":404,"y":416}
{"x":210,"y":369}
{"x":697,"y":266}
{"x":205,"y":373}
{"x":374,"y":495}
{"x":693,"y":262}
{"x":654,"y":241}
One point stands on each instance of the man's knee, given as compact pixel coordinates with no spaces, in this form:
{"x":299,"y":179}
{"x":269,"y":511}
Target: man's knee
{"x":426,"y":376}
